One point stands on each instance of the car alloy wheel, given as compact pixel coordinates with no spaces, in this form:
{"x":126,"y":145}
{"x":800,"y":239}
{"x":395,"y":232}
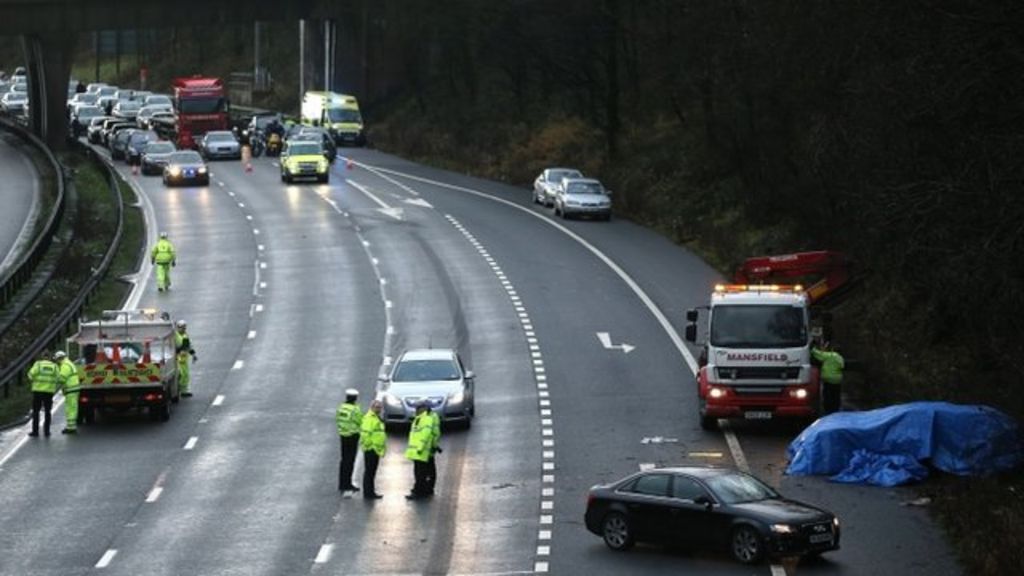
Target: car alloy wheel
{"x":746,"y":545}
{"x":616,"y":533}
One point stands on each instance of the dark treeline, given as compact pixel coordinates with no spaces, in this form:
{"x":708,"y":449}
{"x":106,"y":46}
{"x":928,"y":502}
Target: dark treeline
{"x":891,"y":130}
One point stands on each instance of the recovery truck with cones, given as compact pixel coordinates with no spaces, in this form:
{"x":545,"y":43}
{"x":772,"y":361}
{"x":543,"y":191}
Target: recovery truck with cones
{"x":126,"y":360}
{"x":756,"y":360}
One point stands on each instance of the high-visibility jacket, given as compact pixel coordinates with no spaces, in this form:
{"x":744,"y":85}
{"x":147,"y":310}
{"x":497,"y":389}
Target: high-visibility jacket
{"x":423,"y":437}
{"x":350,"y":418}
{"x":69,"y":376}
{"x":372,"y":436}
{"x":163,"y":252}
{"x":435,"y":430}
{"x":182,"y":344}
{"x":45,"y":376}
{"x":832,"y":365}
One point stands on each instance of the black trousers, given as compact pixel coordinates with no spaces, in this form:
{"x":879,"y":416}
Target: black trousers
{"x":431,"y":477}
{"x":831,"y":399}
{"x":370,"y":462}
{"x":349,"y":446}
{"x":41,"y":401}
{"x":420,"y":472}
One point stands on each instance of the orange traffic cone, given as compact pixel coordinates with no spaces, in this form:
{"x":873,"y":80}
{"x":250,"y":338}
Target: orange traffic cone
{"x":116,"y":354}
{"x":101,"y":355}
{"x":135,"y":169}
{"x":349,"y":164}
{"x":248,"y":166}
{"x":146,"y":357}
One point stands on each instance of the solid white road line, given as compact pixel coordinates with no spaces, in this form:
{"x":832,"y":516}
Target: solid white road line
{"x":218,"y":400}
{"x":154,"y":494}
{"x":238,"y":363}
{"x":191,"y":443}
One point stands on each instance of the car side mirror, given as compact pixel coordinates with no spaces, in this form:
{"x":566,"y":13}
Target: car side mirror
{"x":470,"y":375}
{"x":703,"y":501}
{"x":691,"y":333}
{"x":691,"y":315}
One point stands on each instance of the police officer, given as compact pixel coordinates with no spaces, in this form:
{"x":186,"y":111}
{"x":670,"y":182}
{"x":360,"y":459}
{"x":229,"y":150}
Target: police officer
{"x":163,"y":257}
{"x":373,"y":440}
{"x":349,"y":419}
{"x":435,"y":448}
{"x":832,"y":365}
{"x":70,"y":386}
{"x":185,"y":353}
{"x":45,"y":377}
{"x":423,"y":439}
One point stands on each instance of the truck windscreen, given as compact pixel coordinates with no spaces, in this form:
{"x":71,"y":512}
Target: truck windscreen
{"x":201,"y":105}
{"x":738,"y":326}
{"x":344,"y":115}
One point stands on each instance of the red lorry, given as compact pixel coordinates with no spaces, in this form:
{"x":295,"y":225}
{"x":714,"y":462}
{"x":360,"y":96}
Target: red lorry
{"x":200,"y":105}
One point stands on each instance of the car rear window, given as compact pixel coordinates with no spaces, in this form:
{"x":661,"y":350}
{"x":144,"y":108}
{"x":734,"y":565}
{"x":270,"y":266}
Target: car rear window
{"x":650,"y":485}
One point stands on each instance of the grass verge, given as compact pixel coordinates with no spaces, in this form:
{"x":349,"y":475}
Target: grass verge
{"x":94,"y":230}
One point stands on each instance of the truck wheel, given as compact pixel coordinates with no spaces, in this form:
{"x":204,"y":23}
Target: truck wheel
{"x":88,"y":414}
{"x":708,"y":423}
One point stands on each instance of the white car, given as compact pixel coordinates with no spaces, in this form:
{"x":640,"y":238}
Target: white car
{"x":548,"y":183}
{"x":435,"y":376}
{"x":583,"y":197}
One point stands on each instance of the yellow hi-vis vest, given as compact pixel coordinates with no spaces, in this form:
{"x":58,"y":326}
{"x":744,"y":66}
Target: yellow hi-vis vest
{"x":163,"y":252}
{"x":372,"y":437}
{"x":45,"y":376}
{"x":350,"y":418}
{"x":69,"y":376}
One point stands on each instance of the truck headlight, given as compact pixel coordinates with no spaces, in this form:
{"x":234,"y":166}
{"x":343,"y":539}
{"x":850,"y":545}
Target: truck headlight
{"x":798,"y":393}
{"x":716,"y":392}
{"x":782,"y":529}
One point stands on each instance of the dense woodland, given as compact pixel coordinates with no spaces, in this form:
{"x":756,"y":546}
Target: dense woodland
{"x":893,"y":131}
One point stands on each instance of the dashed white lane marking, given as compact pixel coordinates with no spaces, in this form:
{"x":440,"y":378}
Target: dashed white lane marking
{"x":644,"y":466}
{"x":251,"y":334}
{"x":154,"y":494}
{"x":259,"y":307}
{"x":256,"y":231}
{"x":218,"y":400}
{"x":547,"y":504}
{"x":238,"y":364}
{"x":778,"y":570}
{"x":191,"y":443}
{"x":107,"y":558}
{"x":324,"y":554}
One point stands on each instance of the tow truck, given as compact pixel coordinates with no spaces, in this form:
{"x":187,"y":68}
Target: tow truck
{"x":126,"y":360}
{"x":756,"y":361}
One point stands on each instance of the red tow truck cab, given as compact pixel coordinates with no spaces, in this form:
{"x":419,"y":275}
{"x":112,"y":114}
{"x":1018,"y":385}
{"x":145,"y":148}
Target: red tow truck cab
{"x":756,"y":362}
{"x":201,"y":105}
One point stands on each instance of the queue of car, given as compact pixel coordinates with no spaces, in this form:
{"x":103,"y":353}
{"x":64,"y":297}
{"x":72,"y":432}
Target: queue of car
{"x":571,"y":195}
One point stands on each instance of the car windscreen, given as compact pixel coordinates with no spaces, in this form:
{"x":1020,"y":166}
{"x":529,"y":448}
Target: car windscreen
{"x":201,"y":105}
{"x":16,"y":96}
{"x":89,"y":112}
{"x":305,"y":149}
{"x":346,"y":115}
{"x":86,"y":98}
{"x":264,"y":121}
{"x":159,"y":148}
{"x":737,"y":488}
{"x":739,"y":326}
{"x":158,"y":101}
{"x":557,"y":175}
{"x":128,"y":105}
{"x":186,"y":157}
{"x":584,"y":188}
{"x":220,"y":137}
{"x":425,"y":370}
{"x":142,"y":137}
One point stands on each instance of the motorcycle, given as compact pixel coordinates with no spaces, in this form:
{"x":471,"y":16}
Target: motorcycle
{"x":273,"y":144}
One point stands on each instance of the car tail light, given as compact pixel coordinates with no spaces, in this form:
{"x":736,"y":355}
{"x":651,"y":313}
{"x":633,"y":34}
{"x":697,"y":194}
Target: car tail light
{"x":153,"y":397}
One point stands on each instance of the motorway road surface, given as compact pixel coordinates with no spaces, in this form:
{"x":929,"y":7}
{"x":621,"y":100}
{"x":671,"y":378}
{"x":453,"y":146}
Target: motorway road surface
{"x":295,"y":292}
{"x":19,"y":199}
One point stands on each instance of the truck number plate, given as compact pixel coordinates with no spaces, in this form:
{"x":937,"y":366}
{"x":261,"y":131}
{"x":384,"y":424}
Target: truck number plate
{"x":758,"y":415}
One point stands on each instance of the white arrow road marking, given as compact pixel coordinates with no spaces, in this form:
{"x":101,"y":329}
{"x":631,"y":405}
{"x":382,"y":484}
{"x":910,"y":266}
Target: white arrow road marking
{"x":395,"y":213}
{"x":606,"y":341}
{"x":419,"y":202}
{"x":658,"y":440}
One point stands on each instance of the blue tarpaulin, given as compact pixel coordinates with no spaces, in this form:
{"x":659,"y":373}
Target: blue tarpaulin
{"x":889,"y":446}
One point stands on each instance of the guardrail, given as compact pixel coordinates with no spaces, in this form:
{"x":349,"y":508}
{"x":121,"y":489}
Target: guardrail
{"x":14,"y":373}
{"x":22,"y":271}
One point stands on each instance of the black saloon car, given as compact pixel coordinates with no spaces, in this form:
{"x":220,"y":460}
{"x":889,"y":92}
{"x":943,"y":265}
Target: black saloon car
{"x":185,"y":166}
{"x":708,"y":508}
{"x":155,"y":157}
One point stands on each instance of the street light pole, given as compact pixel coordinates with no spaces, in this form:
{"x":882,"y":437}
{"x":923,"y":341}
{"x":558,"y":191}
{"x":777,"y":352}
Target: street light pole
{"x":302,"y":60}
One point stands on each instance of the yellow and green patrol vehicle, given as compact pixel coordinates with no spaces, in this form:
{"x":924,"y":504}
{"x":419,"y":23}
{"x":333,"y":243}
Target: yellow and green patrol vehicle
{"x":126,"y":360}
{"x":338,"y":113}
{"x":304,"y":158}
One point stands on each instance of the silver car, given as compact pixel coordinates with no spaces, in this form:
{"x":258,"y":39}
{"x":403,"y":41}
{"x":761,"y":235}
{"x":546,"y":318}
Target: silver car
{"x":220,"y":144}
{"x":548,"y":183}
{"x":435,"y":376}
{"x":583,"y":197}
